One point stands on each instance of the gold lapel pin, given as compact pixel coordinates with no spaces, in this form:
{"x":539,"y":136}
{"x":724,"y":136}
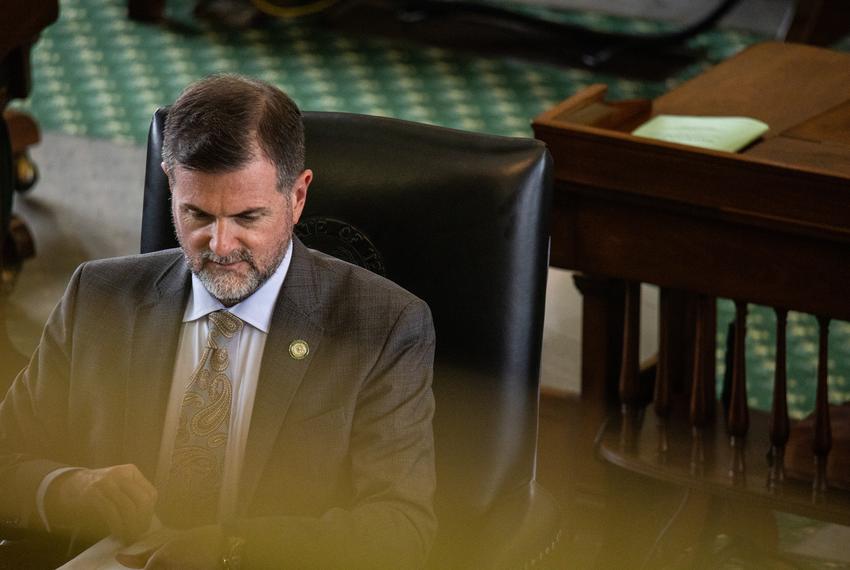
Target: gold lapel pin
{"x":299,"y":349}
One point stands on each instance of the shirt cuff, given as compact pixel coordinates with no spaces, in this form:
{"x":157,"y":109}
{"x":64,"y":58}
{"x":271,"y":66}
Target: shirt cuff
{"x":41,"y":495}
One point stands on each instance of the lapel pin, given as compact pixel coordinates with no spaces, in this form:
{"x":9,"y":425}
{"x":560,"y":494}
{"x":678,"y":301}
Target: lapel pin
{"x":299,"y":349}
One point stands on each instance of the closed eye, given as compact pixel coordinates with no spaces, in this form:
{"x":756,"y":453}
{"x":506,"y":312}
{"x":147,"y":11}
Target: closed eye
{"x":197,"y":214}
{"x":252,"y":215}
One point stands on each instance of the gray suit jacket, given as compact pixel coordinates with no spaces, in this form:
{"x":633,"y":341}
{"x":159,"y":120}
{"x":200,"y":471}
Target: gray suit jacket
{"x":339,"y":468}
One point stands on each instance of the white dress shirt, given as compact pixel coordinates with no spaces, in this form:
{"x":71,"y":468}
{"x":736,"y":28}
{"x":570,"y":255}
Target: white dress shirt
{"x":246,"y":351}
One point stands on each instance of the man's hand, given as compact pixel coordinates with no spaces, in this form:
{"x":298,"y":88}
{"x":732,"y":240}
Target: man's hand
{"x":194,"y":549}
{"x":119,"y":496}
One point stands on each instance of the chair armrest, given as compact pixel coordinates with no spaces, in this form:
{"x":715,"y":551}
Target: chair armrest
{"x":518,"y":532}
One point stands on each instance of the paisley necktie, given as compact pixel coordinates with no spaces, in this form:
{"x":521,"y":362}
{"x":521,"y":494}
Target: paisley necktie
{"x":190,"y":493}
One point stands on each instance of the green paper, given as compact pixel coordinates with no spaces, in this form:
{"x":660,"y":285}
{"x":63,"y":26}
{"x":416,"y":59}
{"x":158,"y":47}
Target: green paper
{"x":718,"y":133}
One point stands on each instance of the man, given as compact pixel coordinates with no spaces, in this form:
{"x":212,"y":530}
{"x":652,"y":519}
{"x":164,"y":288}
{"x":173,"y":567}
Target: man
{"x":291,"y":430}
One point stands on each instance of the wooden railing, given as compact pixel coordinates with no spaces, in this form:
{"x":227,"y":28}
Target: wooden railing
{"x":754,"y":459}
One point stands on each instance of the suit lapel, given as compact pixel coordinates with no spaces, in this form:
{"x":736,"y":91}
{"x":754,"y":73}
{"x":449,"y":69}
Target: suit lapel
{"x":156,"y":333}
{"x":281,"y":373}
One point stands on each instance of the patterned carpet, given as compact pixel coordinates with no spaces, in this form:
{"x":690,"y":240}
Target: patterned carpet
{"x":97,"y":74}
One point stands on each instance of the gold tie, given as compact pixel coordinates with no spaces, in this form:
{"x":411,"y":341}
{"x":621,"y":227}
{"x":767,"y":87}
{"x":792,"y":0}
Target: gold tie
{"x":191,"y":490}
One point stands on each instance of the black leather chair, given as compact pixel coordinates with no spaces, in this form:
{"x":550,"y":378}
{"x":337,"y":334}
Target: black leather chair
{"x":461,"y":220}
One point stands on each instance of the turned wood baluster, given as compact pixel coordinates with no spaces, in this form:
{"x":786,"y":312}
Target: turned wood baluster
{"x":663,"y":387}
{"x":630,"y":367}
{"x":738,"y":420}
{"x":822,"y":443}
{"x":663,"y":369}
{"x":630,"y":396}
{"x":780,"y":427}
{"x":675,"y":347}
{"x":703,"y":390}
{"x":601,"y":337}
{"x":702,"y":377}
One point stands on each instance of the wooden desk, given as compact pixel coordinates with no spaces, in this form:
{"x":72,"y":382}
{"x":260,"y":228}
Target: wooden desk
{"x":770,"y":225}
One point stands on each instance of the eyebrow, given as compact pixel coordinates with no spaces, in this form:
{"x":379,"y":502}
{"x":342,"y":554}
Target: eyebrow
{"x":250,"y":211}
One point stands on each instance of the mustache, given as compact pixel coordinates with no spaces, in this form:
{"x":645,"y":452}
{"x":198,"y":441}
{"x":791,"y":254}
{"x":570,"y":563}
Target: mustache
{"x":233,"y":257}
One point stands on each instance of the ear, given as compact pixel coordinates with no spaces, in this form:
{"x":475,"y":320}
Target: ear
{"x":162,"y":166}
{"x":299,"y":194}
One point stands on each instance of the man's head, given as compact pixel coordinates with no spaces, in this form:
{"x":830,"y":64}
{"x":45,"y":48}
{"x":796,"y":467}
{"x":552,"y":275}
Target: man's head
{"x":233,"y":150}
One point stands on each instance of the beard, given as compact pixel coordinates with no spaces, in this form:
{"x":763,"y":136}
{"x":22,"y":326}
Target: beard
{"x":231,"y":287}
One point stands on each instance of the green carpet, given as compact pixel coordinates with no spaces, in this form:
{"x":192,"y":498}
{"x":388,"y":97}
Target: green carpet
{"x":97,"y":74}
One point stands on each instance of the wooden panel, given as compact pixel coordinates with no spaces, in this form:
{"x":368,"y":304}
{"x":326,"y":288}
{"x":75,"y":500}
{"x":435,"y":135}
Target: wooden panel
{"x":675,"y":247}
{"x":771,"y":193}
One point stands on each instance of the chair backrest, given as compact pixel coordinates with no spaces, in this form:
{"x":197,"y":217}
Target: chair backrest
{"x":461,"y":220}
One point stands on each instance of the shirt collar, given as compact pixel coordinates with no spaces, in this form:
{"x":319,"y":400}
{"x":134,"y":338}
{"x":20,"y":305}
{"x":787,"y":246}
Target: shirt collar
{"x":256,"y":309}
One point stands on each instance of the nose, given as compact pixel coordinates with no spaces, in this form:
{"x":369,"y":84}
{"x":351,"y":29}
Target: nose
{"x":224,"y":239}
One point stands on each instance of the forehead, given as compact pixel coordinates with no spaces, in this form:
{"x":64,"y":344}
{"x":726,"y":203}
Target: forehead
{"x":253,"y":185}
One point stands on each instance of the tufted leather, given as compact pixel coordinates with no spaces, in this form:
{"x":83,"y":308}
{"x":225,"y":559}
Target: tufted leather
{"x":461,"y":220}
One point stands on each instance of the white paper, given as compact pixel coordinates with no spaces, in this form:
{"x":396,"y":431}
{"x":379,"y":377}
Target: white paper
{"x":101,"y":555}
{"x":719,"y":133}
